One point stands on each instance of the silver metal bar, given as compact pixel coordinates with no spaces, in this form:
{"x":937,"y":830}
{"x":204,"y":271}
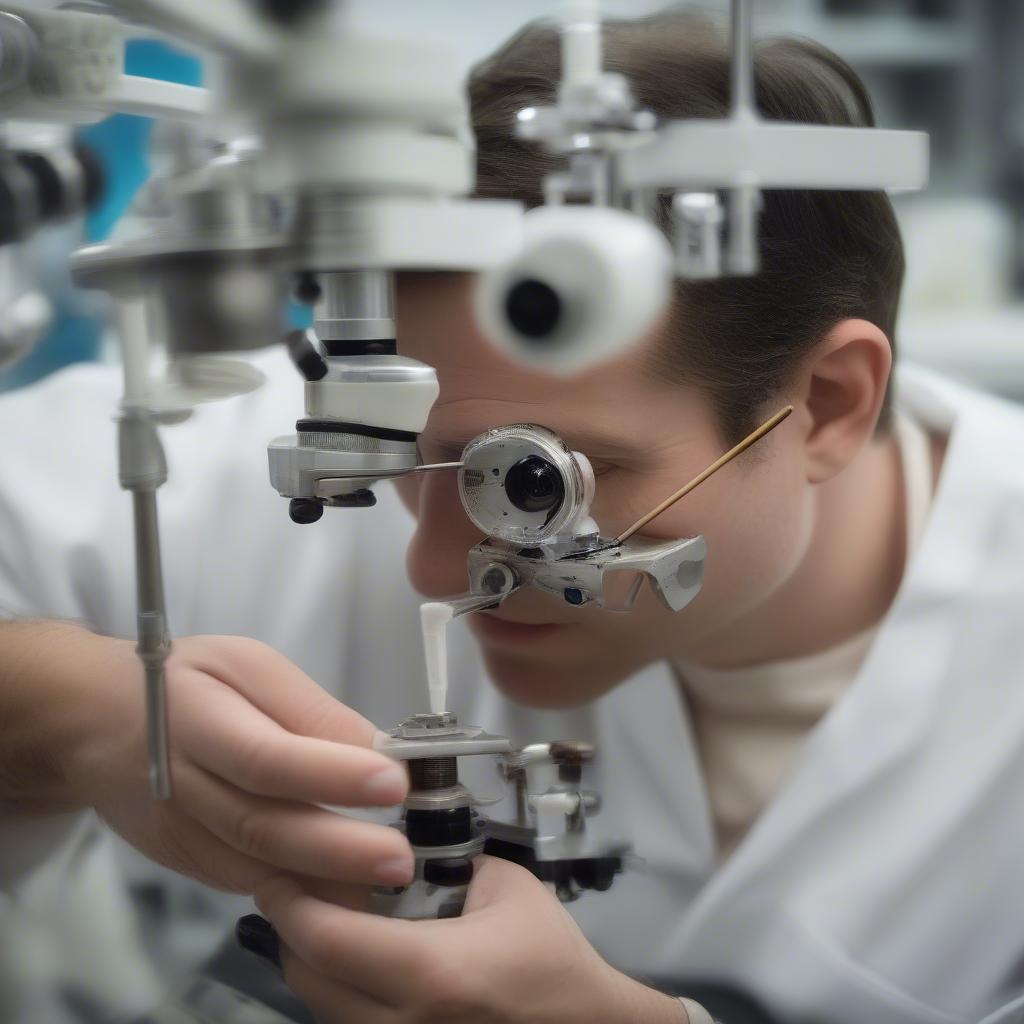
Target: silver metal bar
{"x":743,"y":256}
{"x":742,"y":56}
{"x":154,"y":642}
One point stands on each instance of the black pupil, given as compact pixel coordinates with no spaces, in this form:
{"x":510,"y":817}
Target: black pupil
{"x":534,"y":485}
{"x":533,"y":309}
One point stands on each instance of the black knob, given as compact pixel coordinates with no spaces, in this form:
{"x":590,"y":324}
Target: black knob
{"x":571,"y":756}
{"x":572,"y":752}
{"x":305,"y":510}
{"x":361,"y":497}
{"x":305,"y":355}
{"x":449,"y":871}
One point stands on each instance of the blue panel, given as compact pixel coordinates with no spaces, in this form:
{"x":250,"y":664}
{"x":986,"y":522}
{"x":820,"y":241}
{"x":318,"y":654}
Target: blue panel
{"x":122,"y":144}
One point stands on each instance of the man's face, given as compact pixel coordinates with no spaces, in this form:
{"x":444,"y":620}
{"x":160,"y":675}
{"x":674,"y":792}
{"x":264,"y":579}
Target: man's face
{"x":645,"y":438}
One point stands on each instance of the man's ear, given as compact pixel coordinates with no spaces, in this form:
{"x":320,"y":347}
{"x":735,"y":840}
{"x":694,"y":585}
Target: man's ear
{"x":841,"y":386}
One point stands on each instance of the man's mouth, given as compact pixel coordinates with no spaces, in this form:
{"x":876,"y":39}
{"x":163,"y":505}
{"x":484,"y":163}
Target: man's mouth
{"x":501,"y":631}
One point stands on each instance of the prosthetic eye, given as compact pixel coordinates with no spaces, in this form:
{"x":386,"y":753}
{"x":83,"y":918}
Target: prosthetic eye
{"x":522,"y":484}
{"x":534,"y":485}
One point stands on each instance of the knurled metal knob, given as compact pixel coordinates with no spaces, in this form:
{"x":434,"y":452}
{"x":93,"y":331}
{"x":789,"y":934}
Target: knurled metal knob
{"x":571,"y":756}
{"x":572,"y":752}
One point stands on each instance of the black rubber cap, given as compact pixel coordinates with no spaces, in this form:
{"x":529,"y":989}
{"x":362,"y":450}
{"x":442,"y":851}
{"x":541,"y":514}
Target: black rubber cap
{"x":257,"y":935}
{"x":305,"y":510}
{"x":596,"y":872}
{"x":449,"y":872}
{"x":533,"y":309}
{"x":305,"y":356}
{"x":362,"y":497}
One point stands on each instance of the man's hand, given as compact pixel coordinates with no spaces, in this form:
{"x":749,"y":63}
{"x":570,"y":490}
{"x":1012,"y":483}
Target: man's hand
{"x":255,"y":745}
{"x":515,"y":956}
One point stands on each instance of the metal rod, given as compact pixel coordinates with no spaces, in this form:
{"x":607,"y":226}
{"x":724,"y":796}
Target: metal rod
{"x":742,"y":57}
{"x":154,"y":642}
{"x":715,"y":466}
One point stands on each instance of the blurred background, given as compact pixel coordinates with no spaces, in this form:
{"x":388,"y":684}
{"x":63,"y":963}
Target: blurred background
{"x":953,"y":68}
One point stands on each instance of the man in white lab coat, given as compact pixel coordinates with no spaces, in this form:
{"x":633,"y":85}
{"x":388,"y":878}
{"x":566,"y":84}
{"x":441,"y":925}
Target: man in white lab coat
{"x":818,"y":760}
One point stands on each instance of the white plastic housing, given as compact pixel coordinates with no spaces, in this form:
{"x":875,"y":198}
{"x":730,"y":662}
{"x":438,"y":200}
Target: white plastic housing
{"x":610,"y":270}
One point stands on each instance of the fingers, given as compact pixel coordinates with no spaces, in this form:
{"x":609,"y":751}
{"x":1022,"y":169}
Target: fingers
{"x":331,"y":1001}
{"x":344,"y":894}
{"x":189,"y":848}
{"x":278,"y":687}
{"x":296,"y":837}
{"x":230,"y":738}
{"x":383,"y":957}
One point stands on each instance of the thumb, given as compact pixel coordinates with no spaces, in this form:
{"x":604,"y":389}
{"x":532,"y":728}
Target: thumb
{"x":496,"y":880}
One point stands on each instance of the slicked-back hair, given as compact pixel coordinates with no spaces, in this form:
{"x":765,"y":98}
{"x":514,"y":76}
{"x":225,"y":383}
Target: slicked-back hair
{"x":825,"y":255}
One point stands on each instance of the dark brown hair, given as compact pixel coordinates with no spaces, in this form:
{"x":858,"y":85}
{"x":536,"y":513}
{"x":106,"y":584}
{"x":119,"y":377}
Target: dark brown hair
{"x":825,"y":256}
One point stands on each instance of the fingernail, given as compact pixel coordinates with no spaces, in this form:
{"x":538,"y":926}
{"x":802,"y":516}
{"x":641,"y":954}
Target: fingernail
{"x":396,"y":871}
{"x":257,"y":935}
{"x":387,"y":786}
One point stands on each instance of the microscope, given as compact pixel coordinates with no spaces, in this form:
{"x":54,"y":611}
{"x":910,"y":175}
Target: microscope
{"x":327,"y":161}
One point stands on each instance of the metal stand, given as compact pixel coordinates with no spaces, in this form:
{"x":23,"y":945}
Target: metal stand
{"x":142,"y":469}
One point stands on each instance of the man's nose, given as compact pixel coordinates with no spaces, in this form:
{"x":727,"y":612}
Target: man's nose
{"x":436,"y":559}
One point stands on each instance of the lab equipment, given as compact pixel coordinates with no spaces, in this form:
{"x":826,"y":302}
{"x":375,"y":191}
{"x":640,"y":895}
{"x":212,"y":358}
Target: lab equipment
{"x":446,"y":831}
{"x":352,"y":164}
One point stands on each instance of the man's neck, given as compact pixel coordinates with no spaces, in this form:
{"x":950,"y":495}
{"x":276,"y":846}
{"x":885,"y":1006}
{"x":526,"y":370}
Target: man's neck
{"x":848,"y":577}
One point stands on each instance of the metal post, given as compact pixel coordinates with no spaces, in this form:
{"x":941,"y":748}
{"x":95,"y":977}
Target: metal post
{"x":744,"y":202}
{"x":742,"y":57}
{"x":154,"y":642}
{"x":142,"y":469}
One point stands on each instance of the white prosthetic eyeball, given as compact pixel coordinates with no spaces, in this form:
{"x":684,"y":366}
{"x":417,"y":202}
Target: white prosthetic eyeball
{"x":588,"y":283}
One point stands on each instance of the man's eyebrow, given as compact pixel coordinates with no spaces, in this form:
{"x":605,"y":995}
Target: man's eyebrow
{"x":586,"y":442}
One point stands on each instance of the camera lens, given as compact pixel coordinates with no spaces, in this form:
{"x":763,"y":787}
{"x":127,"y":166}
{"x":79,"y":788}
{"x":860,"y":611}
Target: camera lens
{"x":534,"y":485}
{"x":533,"y":309}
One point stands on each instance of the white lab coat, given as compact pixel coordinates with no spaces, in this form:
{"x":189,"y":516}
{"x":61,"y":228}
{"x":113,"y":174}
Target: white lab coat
{"x":1012,"y":1013}
{"x":884,"y":883}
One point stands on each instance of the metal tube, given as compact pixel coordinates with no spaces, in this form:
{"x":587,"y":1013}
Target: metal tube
{"x":581,"y":42}
{"x":133,"y":331}
{"x":355,"y":305}
{"x":741,"y":45}
{"x":742,"y":256}
{"x":154,"y":642}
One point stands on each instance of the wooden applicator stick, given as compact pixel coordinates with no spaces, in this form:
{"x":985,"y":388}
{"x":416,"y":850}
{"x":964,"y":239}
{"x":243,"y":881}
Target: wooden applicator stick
{"x":749,"y":440}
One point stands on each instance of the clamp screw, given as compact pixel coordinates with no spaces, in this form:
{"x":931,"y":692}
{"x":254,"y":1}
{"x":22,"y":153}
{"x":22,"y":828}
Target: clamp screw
{"x":571,"y":756}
